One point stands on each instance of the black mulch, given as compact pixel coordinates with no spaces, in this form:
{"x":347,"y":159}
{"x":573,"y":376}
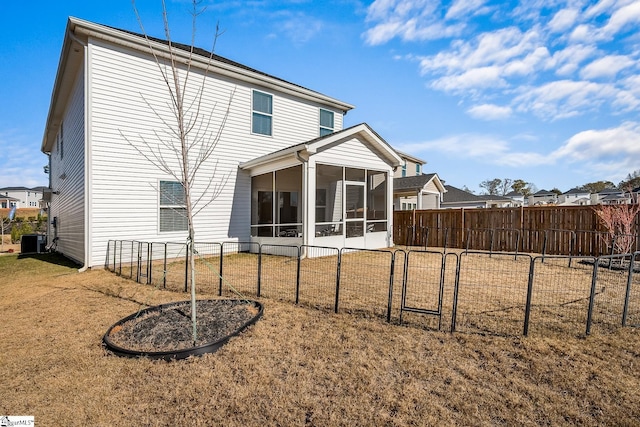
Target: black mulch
{"x":170,"y":329}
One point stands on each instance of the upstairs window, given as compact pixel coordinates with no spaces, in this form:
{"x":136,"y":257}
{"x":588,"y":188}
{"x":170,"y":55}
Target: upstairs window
{"x":404,"y":170}
{"x":326,"y":122}
{"x":173,"y":211}
{"x":418,"y":169}
{"x":262,"y":113}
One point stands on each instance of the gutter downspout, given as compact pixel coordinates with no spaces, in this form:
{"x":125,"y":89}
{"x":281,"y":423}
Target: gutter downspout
{"x":87,"y":156}
{"x":305,"y":204}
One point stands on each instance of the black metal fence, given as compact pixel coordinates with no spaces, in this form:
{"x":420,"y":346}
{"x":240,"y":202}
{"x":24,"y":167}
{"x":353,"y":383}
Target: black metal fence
{"x":485,"y":292}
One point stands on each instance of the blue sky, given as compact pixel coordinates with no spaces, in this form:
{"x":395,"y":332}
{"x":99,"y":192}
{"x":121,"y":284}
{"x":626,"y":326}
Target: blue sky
{"x":545,"y":91}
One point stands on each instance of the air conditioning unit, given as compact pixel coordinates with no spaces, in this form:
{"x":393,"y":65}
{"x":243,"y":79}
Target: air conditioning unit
{"x":33,"y":243}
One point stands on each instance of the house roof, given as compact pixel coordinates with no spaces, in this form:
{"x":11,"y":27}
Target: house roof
{"x":72,"y":55}
{"x":607,"y":191}
{"x":513,"y":193}
{"x":412,"y":182}
{"x":15,"y":189}
{"x":544,"y":193}
{"x":361,"y":130}
{"x":411,"y":158}
{"x":576,"y":191}
{"x":456,"y":195}
{"x":418,"y":182}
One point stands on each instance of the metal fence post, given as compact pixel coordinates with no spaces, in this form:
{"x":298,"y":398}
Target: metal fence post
{"x":259,"y":269}
{"x":298,"y":277}
{"x":592,"y":295}
{"x":338,"y":280}
{"x":627,"y":294}
{"x":390,"y":300}
{"x":220,"y":270}
{"x":527,"y":309}
{"x":456,"y":286}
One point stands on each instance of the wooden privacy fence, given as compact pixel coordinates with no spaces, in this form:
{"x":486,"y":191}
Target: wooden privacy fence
{"x":554,"y":230}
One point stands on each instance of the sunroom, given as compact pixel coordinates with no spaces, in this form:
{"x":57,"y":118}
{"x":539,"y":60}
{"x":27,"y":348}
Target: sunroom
{"x":334,"y":191}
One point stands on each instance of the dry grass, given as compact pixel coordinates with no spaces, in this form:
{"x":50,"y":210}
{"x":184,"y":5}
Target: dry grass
{"x":296,"y":366}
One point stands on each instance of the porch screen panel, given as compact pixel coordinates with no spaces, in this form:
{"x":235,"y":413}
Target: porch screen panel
{"x":329,"y":192}
{"x":288,"y":187}
{"x":376,"y":201}
{"x":262,"y":205}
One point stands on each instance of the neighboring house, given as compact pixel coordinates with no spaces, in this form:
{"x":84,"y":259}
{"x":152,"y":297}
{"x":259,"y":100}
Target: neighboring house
{"x":418,"y":192}
{"x":611,"y":196}
{"x":284,"y":170}
{"x":457,"y":198}
{"x":517,"y":198}
{"x":574,"y":197}
{"x":7,"y":202}
{"x":26,"y":197}
{"x":412,"y":166}
{"x":543,"y":197}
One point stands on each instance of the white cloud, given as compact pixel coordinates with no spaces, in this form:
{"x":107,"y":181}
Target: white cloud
{"x":592,"y":145}
{"x":563,"y":98}
{"x":409,"y":20}
{"x":607,"y":66}
{"x":621,"y":18}
{"x":563,"y":20}
{"x":542,"y":54}
{"x":490,"y":112}
{"x":566,"y":61}
{"x":487,"y":149}
{"x":474,"y":79}
{"x":462,"y":8}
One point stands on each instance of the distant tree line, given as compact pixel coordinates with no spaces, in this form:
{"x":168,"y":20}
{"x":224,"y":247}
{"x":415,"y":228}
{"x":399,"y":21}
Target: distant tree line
{"x":502,"y":187}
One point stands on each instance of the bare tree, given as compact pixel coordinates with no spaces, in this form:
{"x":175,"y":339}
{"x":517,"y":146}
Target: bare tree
{"x":188,"y":137}
{"x":619,"y":222}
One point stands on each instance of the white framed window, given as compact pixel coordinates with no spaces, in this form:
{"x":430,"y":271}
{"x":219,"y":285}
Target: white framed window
{"x":418,"y":169}
{"x":326,"y":122}
{"x":262,"y":113}
{"x":172,"y":210}
{"x":404,"y":170}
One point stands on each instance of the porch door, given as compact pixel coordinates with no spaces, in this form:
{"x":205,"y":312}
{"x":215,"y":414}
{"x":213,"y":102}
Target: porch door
{"x":354,"y":213}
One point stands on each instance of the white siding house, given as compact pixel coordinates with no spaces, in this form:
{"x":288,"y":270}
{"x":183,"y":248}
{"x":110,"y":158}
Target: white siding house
{"x":109,"y":109}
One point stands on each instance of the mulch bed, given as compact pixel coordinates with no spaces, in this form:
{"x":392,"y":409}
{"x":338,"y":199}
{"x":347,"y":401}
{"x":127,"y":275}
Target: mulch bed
{"x":170,"y":328}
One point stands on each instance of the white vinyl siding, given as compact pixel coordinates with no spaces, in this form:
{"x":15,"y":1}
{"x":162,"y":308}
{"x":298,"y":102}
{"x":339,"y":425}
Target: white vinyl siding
{"x":124,"y":183}
{"x":68,"y":180}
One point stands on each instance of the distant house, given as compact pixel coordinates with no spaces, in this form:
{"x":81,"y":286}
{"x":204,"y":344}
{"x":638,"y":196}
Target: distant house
{"x":457,"y":198}
{"x":285,"y":169}
{"x":517,"y":198}
{"x":418,"y":192}
{"x":26,"y":197}
{"x":8,"y":202}
{"x":611,"y":196}
{"x":543,"y":197}
{"x":412,"y":166}
{"x":574,"y":197}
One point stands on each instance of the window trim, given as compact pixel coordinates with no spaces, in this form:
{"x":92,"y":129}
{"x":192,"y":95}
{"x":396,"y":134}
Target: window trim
{"x":261,"y":113}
